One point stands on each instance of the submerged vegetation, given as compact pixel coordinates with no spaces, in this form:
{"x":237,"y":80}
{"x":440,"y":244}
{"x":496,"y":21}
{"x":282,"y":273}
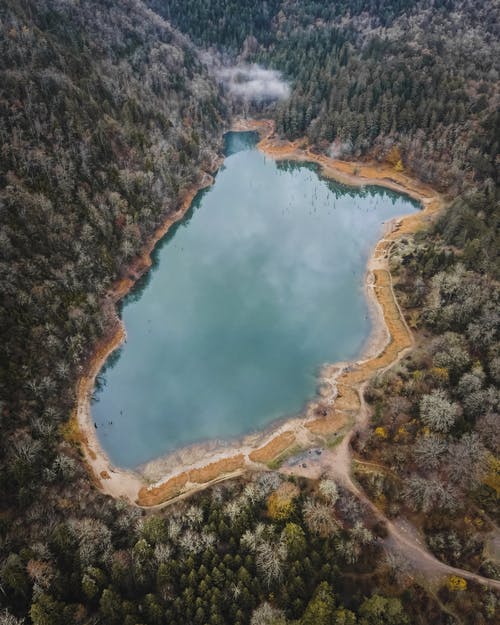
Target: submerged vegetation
{"x":107,"y":116}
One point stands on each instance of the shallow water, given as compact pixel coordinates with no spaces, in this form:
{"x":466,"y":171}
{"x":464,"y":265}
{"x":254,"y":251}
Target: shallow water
{"x":259,"y":285}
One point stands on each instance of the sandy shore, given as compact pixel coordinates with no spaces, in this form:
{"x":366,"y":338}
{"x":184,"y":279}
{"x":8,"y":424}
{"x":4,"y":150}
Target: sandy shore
{"x":338,"y":386}
{"x":113,"y":480}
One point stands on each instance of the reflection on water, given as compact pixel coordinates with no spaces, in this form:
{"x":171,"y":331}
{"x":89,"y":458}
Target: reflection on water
{"x":258,"y":286}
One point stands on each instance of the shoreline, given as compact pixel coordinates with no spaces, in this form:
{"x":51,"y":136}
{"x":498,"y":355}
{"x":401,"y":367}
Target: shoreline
{"x":337,"y":399}
{"x":116,"y":481}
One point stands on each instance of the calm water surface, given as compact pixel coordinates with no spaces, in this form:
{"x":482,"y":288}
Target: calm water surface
{"x":260,"y":284}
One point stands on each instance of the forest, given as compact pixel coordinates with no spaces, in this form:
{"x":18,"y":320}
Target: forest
{"x":108,"y":115}
{"x":369,"y":75}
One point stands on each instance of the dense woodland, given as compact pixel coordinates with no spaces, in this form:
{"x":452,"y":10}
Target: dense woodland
{"x":369,"y":75}
{"x":107,"y":116}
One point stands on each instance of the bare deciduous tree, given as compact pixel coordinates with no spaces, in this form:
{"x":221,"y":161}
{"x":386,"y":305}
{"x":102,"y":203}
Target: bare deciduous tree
{"x":429,"y":451}
{"x":6,"y":618}
{"x":488,"y":428}
{"x":438,"y":412}
{"x":265,"y":614}
{"x":467,"y":461}
{"x":319,"y":518}
{"x":329,"y":491}
{"x":430,"y":494}
{"x":270,"y":559}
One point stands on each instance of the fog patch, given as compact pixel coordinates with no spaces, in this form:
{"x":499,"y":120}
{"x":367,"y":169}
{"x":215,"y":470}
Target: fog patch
{"x":252,"y":83}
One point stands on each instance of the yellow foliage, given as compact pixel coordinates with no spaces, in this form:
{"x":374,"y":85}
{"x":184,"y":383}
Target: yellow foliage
{"x":441,"y":373}
{"x":71,"y":431}
{"x":381,"y":501}
{"x":414,"y":319}
{"x":492,"y":478}
{"x":418,"y":375}
{"x":280,"y":504}
{"x":399,"y":166}
{"x":402,"y":434}
{"x":394,"y":156}
{"x":477,"y":521}
{"x":381,"y":432}
{"x":456,"y":583}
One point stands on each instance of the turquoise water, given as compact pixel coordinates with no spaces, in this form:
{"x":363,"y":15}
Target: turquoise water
{"x":249,"y":295}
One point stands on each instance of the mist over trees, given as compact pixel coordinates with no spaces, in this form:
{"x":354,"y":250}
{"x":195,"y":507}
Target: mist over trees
{"x":369,"y":75}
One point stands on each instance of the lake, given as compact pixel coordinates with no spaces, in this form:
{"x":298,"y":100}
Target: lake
{"x":257,"y":287}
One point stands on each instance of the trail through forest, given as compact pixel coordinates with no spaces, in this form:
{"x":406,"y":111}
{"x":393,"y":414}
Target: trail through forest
{"x":402,"y":537}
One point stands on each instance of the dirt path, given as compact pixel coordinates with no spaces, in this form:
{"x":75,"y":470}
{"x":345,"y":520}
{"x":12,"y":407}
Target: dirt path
{"x":402,"y":536}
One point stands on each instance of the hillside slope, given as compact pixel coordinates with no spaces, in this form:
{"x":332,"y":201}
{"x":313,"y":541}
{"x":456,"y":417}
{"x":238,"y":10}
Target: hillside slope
{"x":106,"y":117}
{"x":416,"y":76}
